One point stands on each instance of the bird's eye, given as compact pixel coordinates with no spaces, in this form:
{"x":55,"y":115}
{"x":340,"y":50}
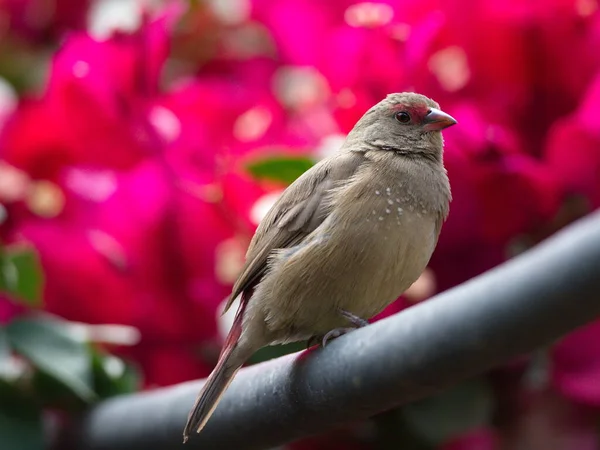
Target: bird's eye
{"x":403,"y":117}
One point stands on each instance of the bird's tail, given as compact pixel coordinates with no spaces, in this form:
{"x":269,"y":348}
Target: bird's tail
{"x":229,"y":363}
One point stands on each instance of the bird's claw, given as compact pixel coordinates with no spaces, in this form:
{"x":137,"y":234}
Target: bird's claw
{"x":335,"y":333}
{"x":354,"y":320}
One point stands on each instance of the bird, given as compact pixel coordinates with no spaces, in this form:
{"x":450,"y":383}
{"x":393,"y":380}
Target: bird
{"x":343,"y":241}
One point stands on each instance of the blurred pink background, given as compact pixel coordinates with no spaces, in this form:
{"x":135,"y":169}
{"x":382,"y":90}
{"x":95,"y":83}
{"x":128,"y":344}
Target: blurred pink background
{"x":126,"y":130}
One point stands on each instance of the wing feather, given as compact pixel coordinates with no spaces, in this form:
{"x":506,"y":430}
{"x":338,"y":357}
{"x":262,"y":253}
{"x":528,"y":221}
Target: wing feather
{"x":301,"y":208}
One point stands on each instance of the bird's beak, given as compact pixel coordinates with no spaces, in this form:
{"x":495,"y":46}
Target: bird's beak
{"x":437,"y":120}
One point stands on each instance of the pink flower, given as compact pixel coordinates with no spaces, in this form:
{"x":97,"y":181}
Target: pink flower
{"x":344,"y":439}
{"x":92,"y":111}
{"x":546,"y":421}
{"x":108,"y":219}
{"x":500,"y":192}
{"x":165,"y":364}
{"x":135,"y":250}
{"x":358,"y":49}
{"x":285,"y":18}
{"x":573,"y":145}
{"x":8,"y":309}
{"x":576,"y":365}
{"x":461,"y":55}
{"x":133,"y":190}
{"x":37,"y":20}
{"x":480,"y":439}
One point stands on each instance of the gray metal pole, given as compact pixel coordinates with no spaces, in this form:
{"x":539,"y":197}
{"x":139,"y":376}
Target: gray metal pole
{"x":512,"y":309}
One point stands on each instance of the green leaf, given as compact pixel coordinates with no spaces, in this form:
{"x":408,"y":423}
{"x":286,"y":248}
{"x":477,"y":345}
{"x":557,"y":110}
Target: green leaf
{"x":21,"y":275}
{"x":52,"y":393}
{"x":113,"y":376}
{"x":54,"y":352}
{"x":20,"y":420}
{"x":3,"y":274}
{"x":462,"y":408}
{"x":280,"y":168}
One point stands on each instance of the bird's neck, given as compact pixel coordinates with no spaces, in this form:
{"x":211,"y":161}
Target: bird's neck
{"x":428,"y":148}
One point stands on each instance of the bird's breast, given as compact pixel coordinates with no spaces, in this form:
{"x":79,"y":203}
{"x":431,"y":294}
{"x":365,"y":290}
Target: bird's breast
{"x":387,"y":238}
{"x":372,"y":246}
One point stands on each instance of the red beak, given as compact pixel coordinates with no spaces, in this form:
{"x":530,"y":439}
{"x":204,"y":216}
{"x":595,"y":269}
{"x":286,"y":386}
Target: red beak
{"x":437,"y":120}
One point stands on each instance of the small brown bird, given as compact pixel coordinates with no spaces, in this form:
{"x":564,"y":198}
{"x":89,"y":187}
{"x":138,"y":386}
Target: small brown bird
{"x":343,"y":241}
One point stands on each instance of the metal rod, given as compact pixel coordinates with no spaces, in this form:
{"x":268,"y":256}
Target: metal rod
{"x":525,"y":303}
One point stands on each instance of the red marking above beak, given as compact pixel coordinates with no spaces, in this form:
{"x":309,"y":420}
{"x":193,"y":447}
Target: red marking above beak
{"x":437,"y":120}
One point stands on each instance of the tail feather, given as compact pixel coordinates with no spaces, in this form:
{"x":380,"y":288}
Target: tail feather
{"x":230,"y":361}
{"x":209,"y":396}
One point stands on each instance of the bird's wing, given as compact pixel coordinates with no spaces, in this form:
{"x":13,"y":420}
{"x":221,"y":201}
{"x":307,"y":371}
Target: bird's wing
{"x":301,"y":208}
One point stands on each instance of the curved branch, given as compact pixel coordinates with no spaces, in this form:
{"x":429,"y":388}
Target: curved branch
{"x":510,"y":310}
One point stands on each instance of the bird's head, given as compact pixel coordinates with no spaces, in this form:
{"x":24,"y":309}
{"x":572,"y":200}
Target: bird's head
{"x":404,"y":122}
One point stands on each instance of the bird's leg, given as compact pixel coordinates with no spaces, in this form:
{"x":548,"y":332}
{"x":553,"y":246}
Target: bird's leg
{"x":337,"y":332}
{"x":355,"y":320}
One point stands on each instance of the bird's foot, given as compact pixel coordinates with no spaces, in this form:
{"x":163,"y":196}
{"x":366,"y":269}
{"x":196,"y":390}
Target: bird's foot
{"x":354,"y":320}
{"x":335,"y":333}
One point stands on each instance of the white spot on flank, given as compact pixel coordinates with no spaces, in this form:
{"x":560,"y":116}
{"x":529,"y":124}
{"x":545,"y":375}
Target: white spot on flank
{"x":377,"y":192}
{"x":374,"y":212}
{"x":390,"y":201}
{"x":400,"y":210}
{"x":380,"y":218}
{"x":387,"y":210}
{"x":388,"y":191}
{"x":397,"y":200}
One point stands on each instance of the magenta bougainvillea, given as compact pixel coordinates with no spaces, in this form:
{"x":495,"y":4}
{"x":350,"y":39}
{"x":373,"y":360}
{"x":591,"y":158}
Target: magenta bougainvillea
{"x":140,"y":164}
